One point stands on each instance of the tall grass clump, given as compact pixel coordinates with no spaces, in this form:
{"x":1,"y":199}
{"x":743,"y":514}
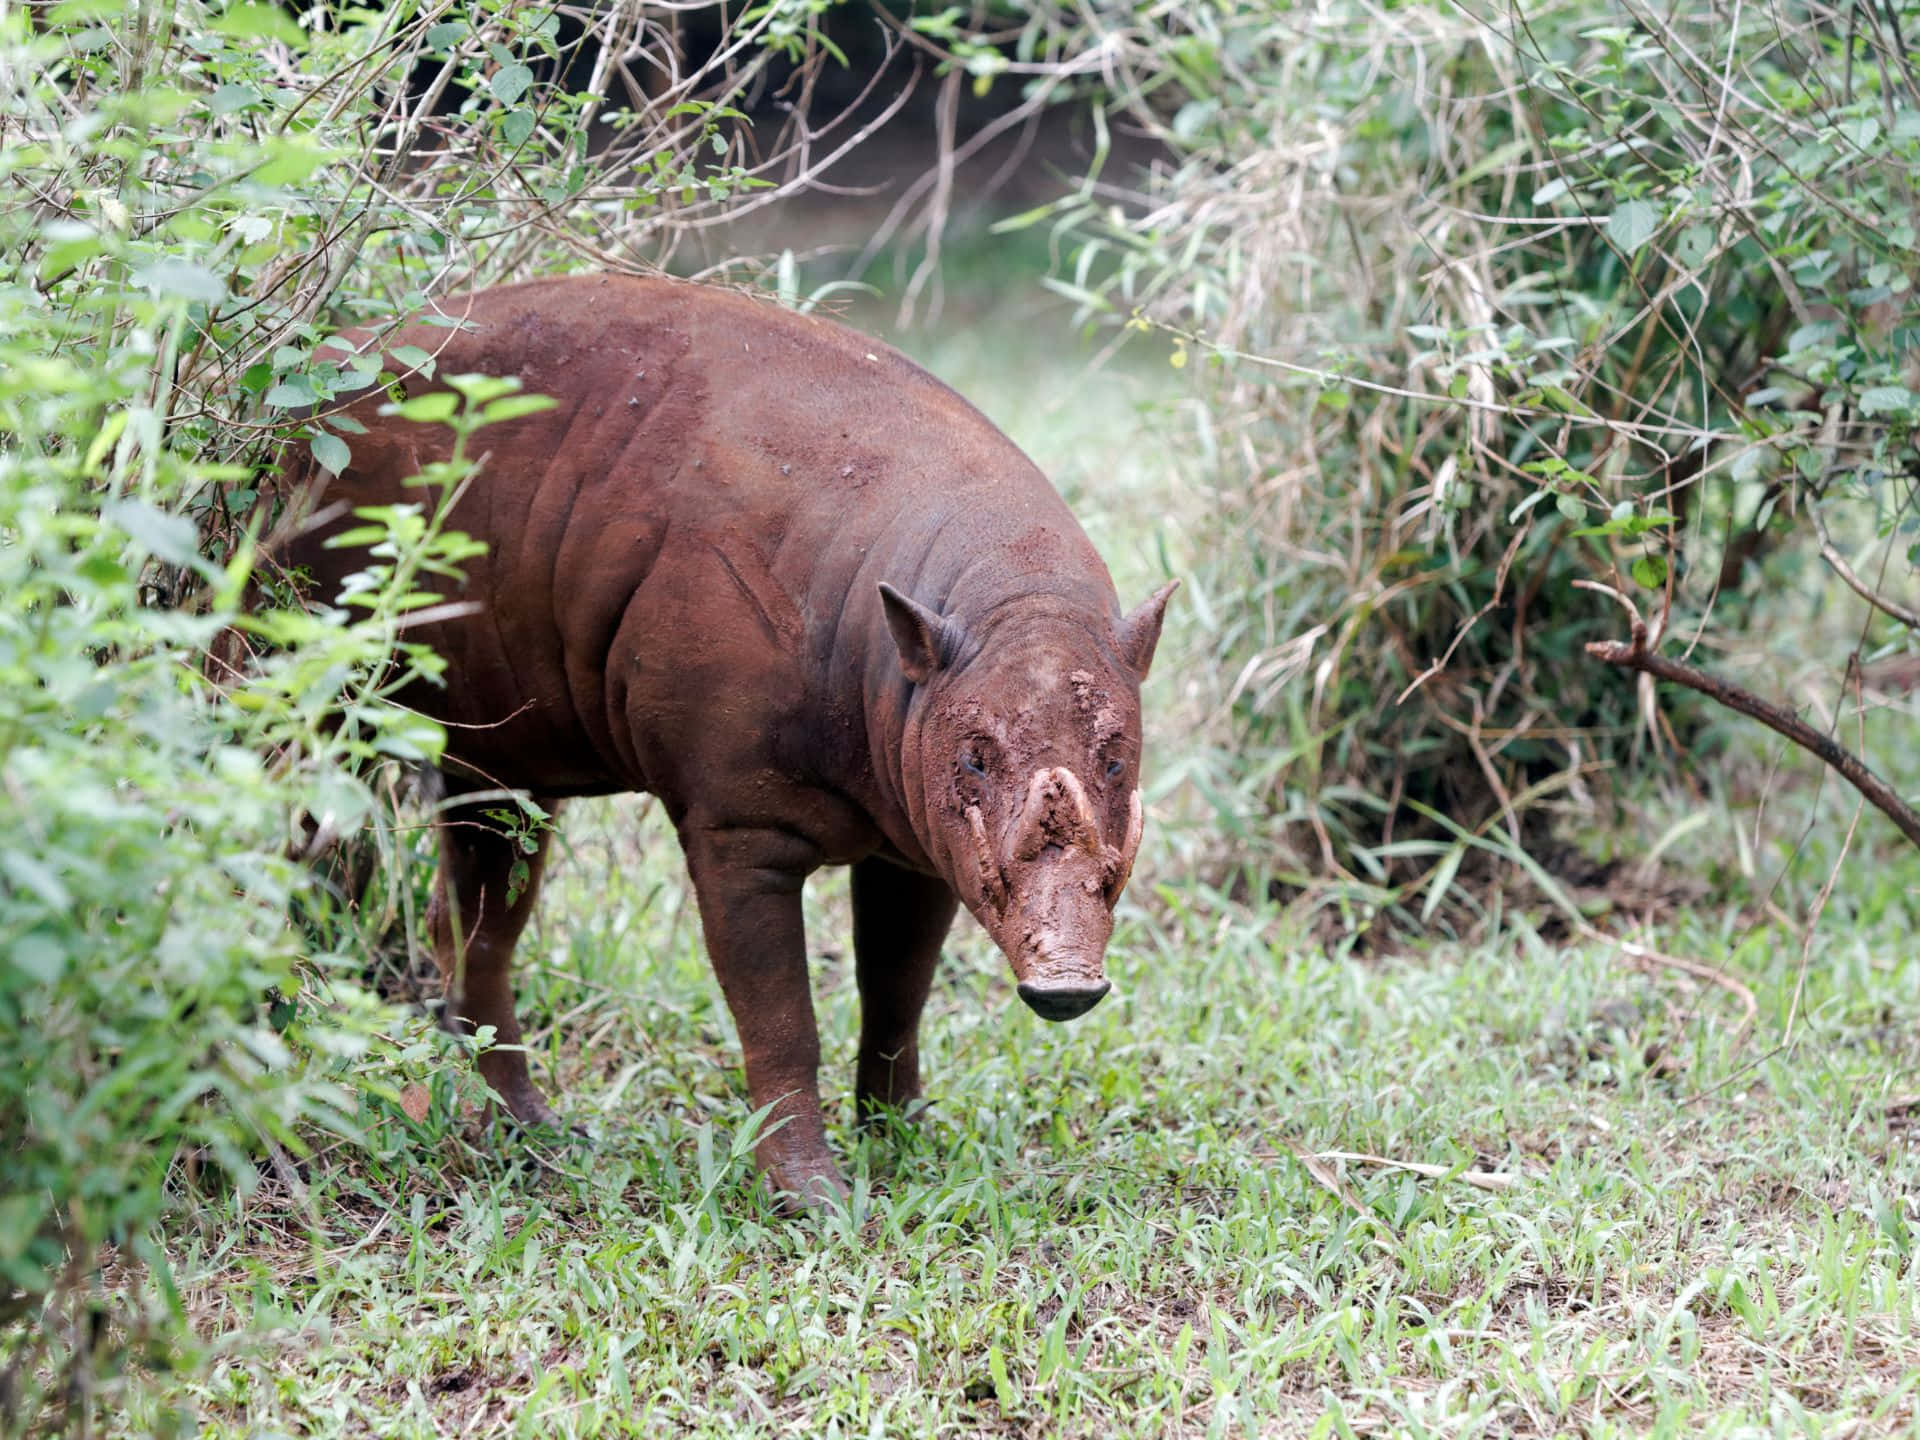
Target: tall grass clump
{"x":1526,"y":327}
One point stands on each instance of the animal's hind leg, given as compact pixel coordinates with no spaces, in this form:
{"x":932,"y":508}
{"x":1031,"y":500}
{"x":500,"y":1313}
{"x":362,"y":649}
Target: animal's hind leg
{"x":481,"y":901}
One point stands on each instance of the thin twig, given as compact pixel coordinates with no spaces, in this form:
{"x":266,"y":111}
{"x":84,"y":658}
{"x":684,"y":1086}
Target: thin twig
{"x":1325,"y":1175}
{"x":1648,"y":958}
{"x":1831,"y":554}
{"x":1846,"y":844}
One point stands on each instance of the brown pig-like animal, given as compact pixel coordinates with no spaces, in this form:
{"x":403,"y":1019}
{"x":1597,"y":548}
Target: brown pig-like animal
{"x":769,"y":571}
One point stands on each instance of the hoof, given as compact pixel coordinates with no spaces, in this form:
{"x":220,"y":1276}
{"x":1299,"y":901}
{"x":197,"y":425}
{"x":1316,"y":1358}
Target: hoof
{"x":877,"y":1114}
{"x":795,"y":1193}
{"x":533,"y":1118}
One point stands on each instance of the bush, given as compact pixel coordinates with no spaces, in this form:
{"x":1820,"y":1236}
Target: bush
{"x":1497,"y":304}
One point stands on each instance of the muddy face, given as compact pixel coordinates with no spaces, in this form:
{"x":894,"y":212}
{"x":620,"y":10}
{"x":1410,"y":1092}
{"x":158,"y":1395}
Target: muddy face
{"x":1027,"y":754}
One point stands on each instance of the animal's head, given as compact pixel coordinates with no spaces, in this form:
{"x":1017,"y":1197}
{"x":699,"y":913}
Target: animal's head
{"x":1023,"y":745}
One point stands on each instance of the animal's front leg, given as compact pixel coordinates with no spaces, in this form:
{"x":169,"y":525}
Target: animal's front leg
{"x":899,"y":920}
{"x":748,"y":883}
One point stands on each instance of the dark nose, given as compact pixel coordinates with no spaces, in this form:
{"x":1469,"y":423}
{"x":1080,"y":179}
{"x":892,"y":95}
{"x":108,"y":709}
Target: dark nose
{"x":1065,"y":1002}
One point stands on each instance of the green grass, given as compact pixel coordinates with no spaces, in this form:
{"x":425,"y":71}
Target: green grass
{"x":1100,"y":1228}
{"x":1105,"y":1228}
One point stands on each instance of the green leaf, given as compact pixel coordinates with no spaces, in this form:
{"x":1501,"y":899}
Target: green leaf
{"x":38,"y":958}
{"x":412,"y":357}
{"x":288,"y":161}
{"x":1888,"y":400}
{"x":31,"y":873}
{"x":1650,"y":571}
{"x":290,"y":392}
{"x":332,"y":453}
{"x":258,"y":22}
{"x":427,"y":409}
{"x":517,"y":126}
{"x":1003,"y":1388}
{"x":182,"y":279}
{"x":1442,"y":880}
{"x":1632,"y":225}
{"x":1571,"y":506}
{"x":510,"y":82}
{"x":482,"y":388}
{"x":1527,"y":504}
{"x":231,"y":99}
{"x":512,"y":407}
{"x":171,"y":538}
{"x":69,"y":243}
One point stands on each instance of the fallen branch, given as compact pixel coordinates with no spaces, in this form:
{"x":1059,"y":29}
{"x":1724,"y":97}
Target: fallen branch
{"x":1634,"y":655}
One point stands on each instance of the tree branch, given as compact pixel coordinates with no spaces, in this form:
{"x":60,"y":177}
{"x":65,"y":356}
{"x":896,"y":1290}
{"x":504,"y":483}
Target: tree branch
{"x":1634,"y":655}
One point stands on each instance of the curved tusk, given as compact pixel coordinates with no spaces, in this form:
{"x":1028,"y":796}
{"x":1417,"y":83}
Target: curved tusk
{"x":1086,"y":832}
{"x":1032,"y":835}
{"x":991,"y":886}
{"x":1123,"y":862}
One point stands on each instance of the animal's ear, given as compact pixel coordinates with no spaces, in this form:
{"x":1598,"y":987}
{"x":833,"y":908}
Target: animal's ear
{"x":1139,"y":629}
{"x":924,"y":639}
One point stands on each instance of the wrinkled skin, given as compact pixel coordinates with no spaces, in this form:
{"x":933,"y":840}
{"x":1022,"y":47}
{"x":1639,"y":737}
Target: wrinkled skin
{"x":769,"y":571}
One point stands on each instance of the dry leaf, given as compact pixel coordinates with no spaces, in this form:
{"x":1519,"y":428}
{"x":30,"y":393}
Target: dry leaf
{"x":416,"y":1102}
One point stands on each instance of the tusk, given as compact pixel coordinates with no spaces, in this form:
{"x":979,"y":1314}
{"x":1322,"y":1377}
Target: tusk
{"x":1032,"y":836}
{"x":1087,"y":829}
{"x":990,"y":882}
{"x":1057,"y":812}
{"x":1123,"y":862}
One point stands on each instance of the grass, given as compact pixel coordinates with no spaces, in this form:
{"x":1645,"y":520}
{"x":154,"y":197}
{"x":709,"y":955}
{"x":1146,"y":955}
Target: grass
{"x":1106,"y":1228}
{"x":1101,"y":1229}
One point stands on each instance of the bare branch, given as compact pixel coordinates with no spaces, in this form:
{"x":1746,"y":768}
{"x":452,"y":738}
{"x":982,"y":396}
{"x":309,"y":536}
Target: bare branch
{"x":1634,"y":655}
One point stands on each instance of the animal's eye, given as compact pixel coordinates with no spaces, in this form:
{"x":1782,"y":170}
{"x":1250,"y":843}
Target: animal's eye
{"x":1114,"y":767}
{"x":973,"y":762}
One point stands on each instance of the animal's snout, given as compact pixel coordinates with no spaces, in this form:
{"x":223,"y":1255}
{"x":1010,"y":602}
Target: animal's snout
{"x":1063,"y":1002}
